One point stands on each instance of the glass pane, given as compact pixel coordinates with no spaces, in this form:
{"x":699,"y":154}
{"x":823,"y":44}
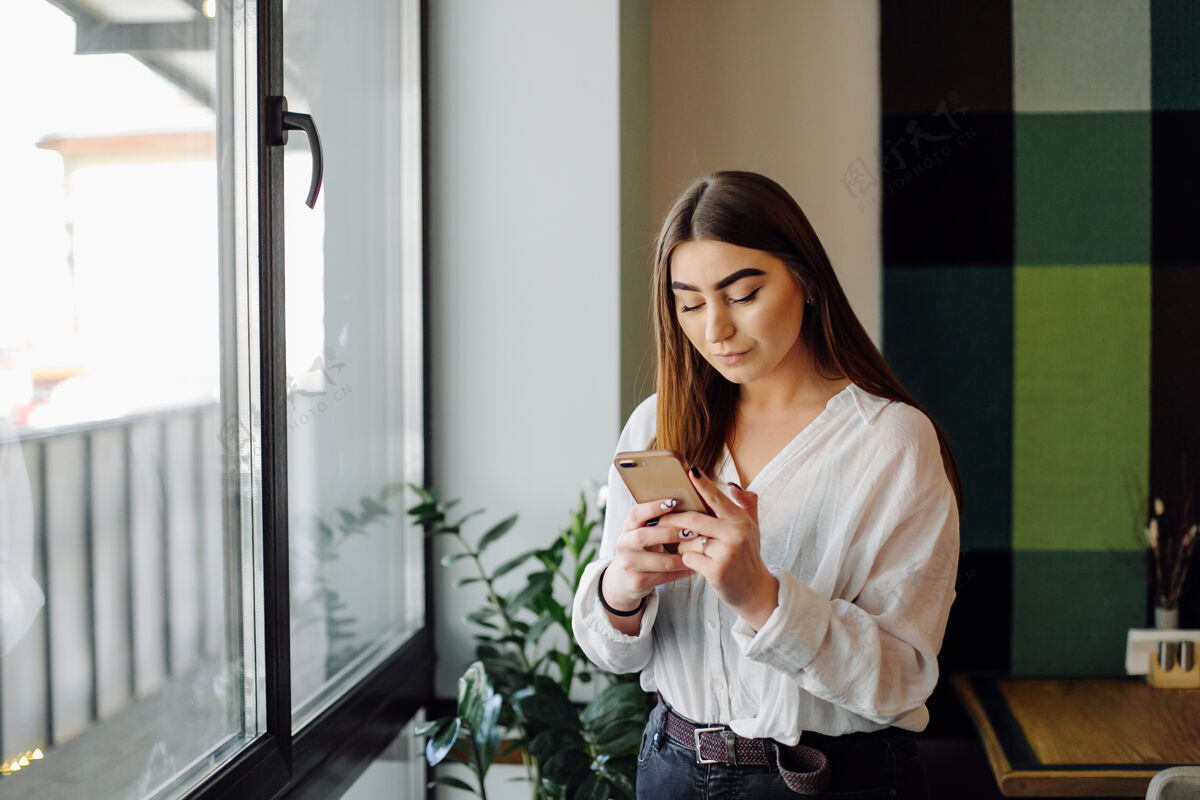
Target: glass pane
{"x":353,"y":341}
{"x":126,"y":476}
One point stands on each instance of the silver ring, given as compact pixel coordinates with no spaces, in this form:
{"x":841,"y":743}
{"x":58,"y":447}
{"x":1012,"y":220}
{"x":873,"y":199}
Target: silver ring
{"x":703,"y":540}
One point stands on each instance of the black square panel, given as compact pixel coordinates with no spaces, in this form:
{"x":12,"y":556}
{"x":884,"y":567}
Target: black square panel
{"x":979,"y":633}
{"x":947,"y":190}
{"x":1174,"y":177}
{"x":931,"y":50}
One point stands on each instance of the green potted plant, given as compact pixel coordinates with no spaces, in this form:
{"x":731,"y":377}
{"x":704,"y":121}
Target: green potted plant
{"x":522,"y":680}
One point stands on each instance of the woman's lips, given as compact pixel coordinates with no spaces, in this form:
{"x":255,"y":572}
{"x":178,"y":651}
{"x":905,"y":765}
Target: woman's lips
{"x":730,"y":358}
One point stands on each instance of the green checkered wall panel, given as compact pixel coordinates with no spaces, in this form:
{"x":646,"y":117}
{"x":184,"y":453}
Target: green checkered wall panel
{"x":1039,"y":287}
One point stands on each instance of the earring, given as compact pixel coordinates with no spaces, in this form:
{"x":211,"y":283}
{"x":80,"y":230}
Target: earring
{"x":812,"y":301}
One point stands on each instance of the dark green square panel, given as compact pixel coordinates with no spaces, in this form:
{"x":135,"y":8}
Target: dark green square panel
{"x":1082,"y":189}
{"x":1072,"y":610}
{"x":1081,"y":406}
{"x":1174,"y":55}
{"x":947,"y":334}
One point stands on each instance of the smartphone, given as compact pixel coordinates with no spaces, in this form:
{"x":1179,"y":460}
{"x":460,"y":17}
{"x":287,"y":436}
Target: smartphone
{"x":659,"y":475}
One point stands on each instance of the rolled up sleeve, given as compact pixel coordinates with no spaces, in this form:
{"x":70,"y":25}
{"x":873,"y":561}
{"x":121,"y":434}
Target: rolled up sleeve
{"x":607,"y":647}
{"x":875,"y":655}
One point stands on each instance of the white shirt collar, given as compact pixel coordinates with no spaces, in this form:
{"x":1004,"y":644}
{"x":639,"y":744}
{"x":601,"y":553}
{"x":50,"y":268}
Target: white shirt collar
{"x":868,"y":405}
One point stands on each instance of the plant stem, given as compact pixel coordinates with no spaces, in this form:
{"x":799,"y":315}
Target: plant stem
{"x":528,"y":771}
{"x":493,"y":598}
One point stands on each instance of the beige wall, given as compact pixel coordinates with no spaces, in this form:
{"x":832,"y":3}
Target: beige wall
{"x":788,"y":88}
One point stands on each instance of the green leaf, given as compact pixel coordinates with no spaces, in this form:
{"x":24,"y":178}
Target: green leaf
{"x":537,"y":629}
{"x":427,"y":726}
{"x":620,"y":784}
{"x":514,"y":639}
{"x":580,"y":536}
{"x":566,"y":667}
{"x":552,"y":740}
{"x":325,"y":528}
{"x":551,"y":557}
{"x":487,"y":735}
{"x":621,"y":700}
{"x":442,"y":740}
{"x":390,"y":490}
{"x":563,"y":766}
{"x":555,"y":611}
{"x":480,"y":616}
{"x":538,"y":582}
{"x":511,"y":564}
{"x":583,"y":564}
{"x":423,"y":511}
{"x":619,"y":738}
{"x":449,"y":780}
{"x":491,"y":626}
{"x":373,"y":509}
{"x":473,"y":689}
{"x":450,"y":558}
{"x":552,"y":791}
{"x":498,"y":530}
{"x":458,"y":525}
{"x":425,"y":495}
{"x":592,"y":789}
{"x":503,"y":670}
{"x":461,"y":582}
{"x":546,"y":709}
{"x":349,"y":521}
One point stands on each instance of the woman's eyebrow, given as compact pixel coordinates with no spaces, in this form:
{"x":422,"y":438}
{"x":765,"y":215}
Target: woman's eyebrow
{"x":728,"y":280}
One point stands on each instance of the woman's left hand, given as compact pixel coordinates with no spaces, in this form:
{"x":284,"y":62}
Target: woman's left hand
{"x":724,"y":548}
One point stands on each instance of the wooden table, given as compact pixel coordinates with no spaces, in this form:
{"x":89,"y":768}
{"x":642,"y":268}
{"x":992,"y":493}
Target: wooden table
{"x":1080,"y":737}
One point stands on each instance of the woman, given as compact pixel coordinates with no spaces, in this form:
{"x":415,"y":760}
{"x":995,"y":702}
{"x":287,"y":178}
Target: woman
{"x":793,"y":638}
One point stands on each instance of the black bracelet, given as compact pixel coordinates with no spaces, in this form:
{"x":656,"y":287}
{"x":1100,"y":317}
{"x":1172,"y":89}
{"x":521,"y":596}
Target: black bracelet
{"x":610,"y":609}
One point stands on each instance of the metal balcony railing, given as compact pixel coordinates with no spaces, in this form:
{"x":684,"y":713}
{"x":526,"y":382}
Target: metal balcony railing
{"x":130,"y":550}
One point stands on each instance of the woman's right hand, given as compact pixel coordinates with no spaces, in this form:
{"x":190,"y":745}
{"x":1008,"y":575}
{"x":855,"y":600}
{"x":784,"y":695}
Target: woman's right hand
{"x":641,"y":561}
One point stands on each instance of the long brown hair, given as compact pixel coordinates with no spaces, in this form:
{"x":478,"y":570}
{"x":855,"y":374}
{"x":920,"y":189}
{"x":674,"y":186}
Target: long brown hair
{"x":696,"y":405}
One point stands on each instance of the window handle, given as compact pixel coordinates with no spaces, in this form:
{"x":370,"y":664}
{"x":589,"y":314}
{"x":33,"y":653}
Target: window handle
{"x":283,"y":121}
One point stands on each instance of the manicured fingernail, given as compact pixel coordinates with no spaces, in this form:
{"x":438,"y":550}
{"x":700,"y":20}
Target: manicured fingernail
{"x":650,"y":523}
{"x":734,"y":485}
{"x":667,"y":505}
{"x":695,"y":472}
{"x":686,"y":534}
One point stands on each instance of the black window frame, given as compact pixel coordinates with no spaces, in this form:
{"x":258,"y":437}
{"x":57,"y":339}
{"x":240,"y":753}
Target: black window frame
{"x":327,"y":755}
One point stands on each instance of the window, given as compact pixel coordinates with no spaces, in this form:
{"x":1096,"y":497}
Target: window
{"x":207,"y":583}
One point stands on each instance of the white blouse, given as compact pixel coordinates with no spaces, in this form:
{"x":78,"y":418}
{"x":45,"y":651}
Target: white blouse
{"x":860,"y":526}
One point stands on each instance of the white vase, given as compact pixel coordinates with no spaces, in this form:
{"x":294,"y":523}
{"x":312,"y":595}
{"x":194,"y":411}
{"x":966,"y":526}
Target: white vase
{"x":1166,"y":619}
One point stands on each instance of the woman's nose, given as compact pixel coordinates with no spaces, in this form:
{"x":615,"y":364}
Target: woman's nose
{"x":717,"y":325}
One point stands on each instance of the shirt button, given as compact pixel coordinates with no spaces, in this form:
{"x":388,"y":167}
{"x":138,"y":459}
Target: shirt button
{"x":712,"y":626}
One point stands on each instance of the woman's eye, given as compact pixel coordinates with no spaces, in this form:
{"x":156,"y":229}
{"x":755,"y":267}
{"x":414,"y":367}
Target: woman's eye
{"x":684,"y":309}
{"x":747,"y":298}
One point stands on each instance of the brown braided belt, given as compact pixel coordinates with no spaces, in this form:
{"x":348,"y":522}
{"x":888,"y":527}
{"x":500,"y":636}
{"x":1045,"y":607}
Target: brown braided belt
{"x":719,"y":745}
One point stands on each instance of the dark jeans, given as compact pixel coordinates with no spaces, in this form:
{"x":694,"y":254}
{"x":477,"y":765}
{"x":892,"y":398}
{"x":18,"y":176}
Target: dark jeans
{"x":863,"y":766}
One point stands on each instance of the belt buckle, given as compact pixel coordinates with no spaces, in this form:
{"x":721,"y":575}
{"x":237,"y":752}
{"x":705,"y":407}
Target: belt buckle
{"x":696,"y":736}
